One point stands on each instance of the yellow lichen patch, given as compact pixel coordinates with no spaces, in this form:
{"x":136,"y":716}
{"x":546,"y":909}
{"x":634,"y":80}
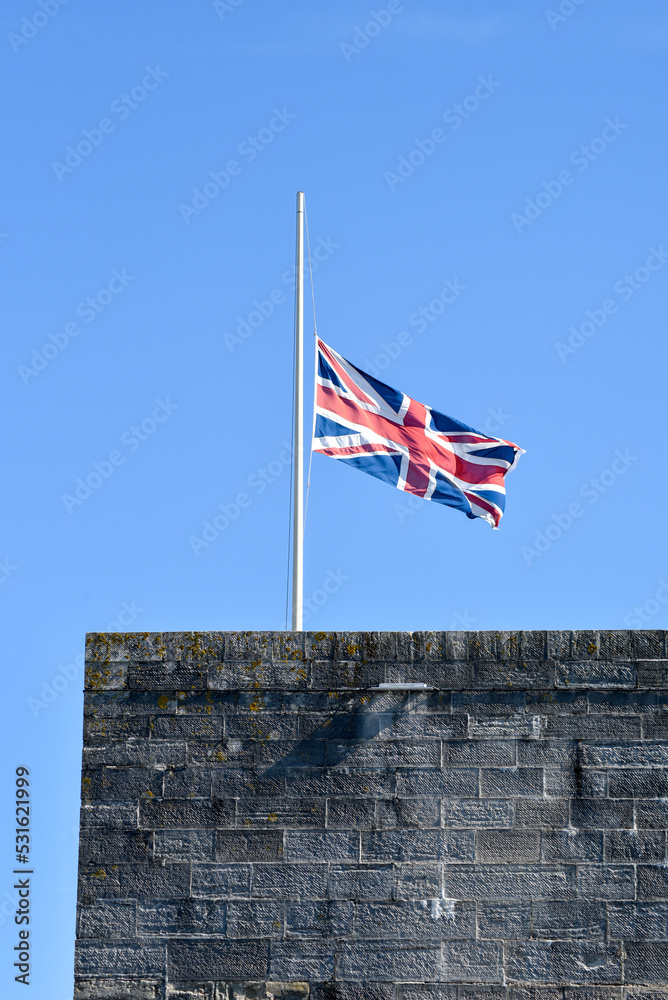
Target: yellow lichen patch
{"x":100,"y":873}
{"x":163,"y":701}
{"x":98,"y":680}
{"x":272,"y":818}
{"x":591,"y":648}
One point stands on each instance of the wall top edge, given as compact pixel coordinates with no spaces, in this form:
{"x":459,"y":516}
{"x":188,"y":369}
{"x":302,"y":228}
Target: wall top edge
{"x":620,"y":658}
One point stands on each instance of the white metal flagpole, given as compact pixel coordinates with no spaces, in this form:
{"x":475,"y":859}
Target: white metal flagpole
{"x":298,"y":456}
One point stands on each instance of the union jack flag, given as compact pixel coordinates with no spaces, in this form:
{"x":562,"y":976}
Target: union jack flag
{"x":365,"y":423}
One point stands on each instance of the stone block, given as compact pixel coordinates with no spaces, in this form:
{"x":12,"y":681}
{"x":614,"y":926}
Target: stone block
{"x":187,"y":783}
{"x":559,"y":702}
{"x":123,"y":784}
{"x":517,"y":727}
{"x":331,"y":675}
{"x":505,"y":921}
{"x":181,"y":917}
{"x":105,"y":676}
{"x":577,"y":782}
{"x":383,"y":753}
{"x":570,"y":962}
{"x":186,"y":814}
{"x":134,"y":881}
{"x":290,"y":881}
{"x":426,"y":991}
{"x":113,"y":846}
{"x":218,"y":959}
{"x":645,"y":783}
{"x":511,"y":782}
{"x":116,"y":958}
{"x":340,"y":781}
{"x":351,"y":814}
{"x":596,"y":674}
{"x":652,"y":882}
{"x":135,"y":753}
{"x":593,"y":727}
{"x":483,"y":753}
{"x":571,"y":845}
{"x":183,"y":845}
{"x":187,"y":727}
{"x":475,"y":814}
{"x":526,"y":675}
{"x":321,"y":846}
{"x":319,"y":918}
{"x":547,"y":753}
{"x":507,"y":846}
{"x":648,"y":644}
{"x":100,"y":729}
{"x":255,"y":918}
{"x":458,"y":782}
{"x":172,"y":675}
{"x":226,"y":753}
{"x":221,"y":881}
{"x":601,"y":814}
{"x":652,"y":673}
{"x":646,"y":963}
{"x":402,"y":725}
{"x":390,"y":961}
{"x":509,"y":881}
{"x":473,"y":962}
{"x":446,"y":675}
{"x":310,"y":959}
{"x":118,"y":988}
{"x":418,"y":845}
{"x":622,"y":702}
{"x":262,"y":726}
{"x":249,"y":845}
{"x":544,"y":814}
{"x":278,"y":757}
{"x":227,"y":782}
{"x":406,"y":919}
{"x":631,"y":921}
{"x":109,"y":816}
{"x":495,"y":703}
{"x":635,"y":845}
{"x":268,"y":812}
{"x":423,"y":814}
{"x":624,"y":755}
{"x":107,"y":919}
{"x":570,"y":919}
{"x":339,"y":726}
{"x":417,"y":880}
{"x":558,"y":645}
{"x":359,"y":882}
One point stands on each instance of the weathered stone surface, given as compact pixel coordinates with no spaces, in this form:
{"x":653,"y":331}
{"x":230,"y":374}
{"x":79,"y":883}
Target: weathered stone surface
{"x":257,"y":823}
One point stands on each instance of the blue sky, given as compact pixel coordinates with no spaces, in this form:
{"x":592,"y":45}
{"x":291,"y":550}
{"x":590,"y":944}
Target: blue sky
{"x":152,"y":156}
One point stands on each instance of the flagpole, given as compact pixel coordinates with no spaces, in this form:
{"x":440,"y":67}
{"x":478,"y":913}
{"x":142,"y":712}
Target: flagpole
{"x":298,"y":454}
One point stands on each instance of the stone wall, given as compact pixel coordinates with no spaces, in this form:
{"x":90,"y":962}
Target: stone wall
{"x":258,"y":822}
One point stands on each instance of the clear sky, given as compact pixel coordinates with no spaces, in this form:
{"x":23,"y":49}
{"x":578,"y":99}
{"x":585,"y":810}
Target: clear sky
{"x":485,"y":187}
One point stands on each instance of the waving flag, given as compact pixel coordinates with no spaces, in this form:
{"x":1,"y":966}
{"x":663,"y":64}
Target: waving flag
{"x":379,"y":430}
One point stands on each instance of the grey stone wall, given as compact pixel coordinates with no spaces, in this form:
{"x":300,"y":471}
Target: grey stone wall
{"x":257,"y":822}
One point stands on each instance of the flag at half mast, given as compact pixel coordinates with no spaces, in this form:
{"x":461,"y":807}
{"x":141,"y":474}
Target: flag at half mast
{"x":383,"y":432}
